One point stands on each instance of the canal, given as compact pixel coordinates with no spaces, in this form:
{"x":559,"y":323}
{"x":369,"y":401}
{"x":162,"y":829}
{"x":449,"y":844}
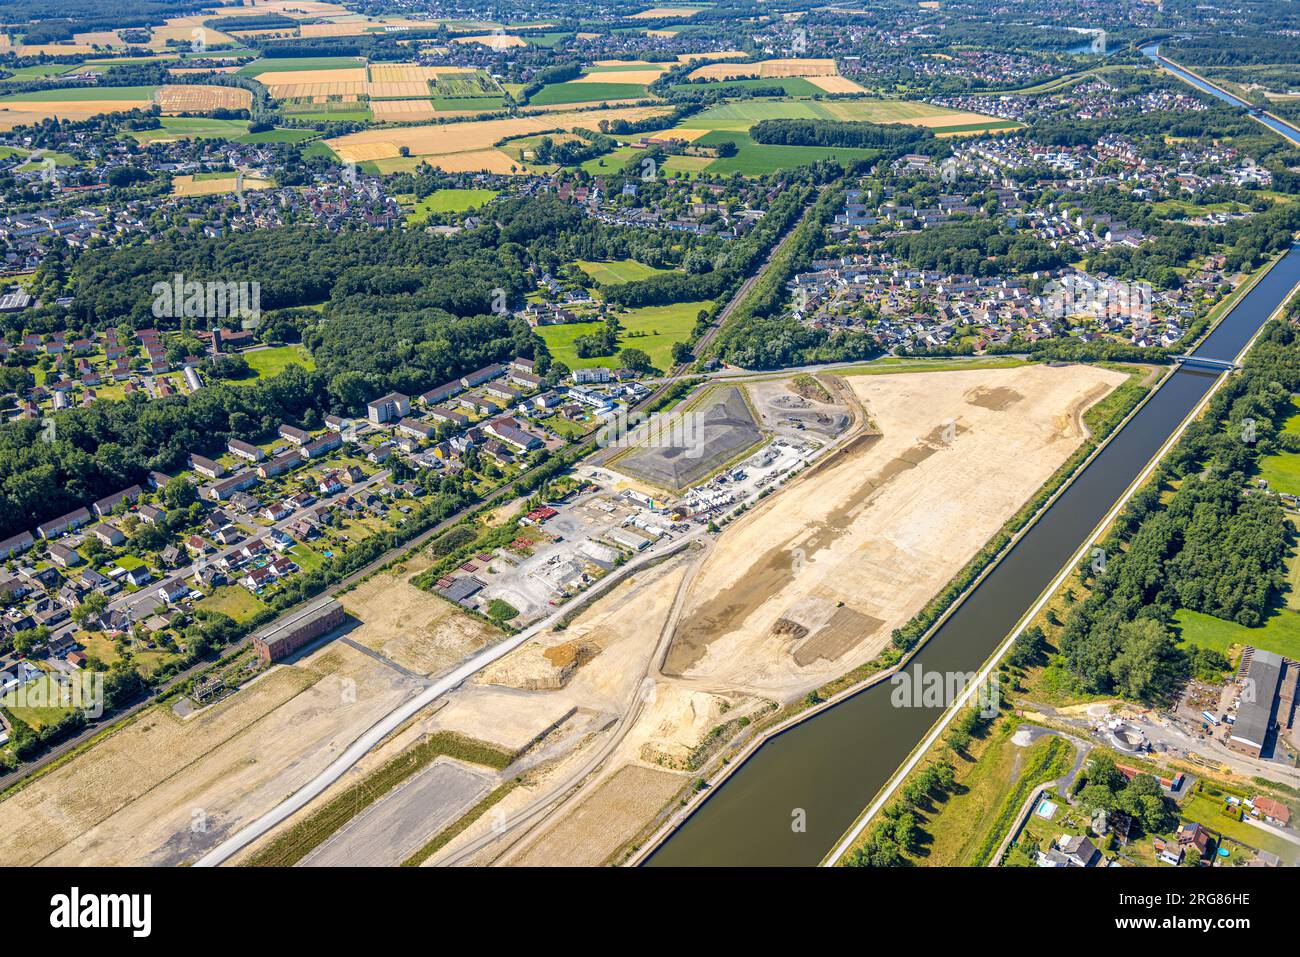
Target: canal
{"x":828,"y":768}
{"x":1285,"y":130}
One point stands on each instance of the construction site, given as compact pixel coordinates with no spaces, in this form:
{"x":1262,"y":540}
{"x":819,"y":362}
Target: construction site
{"x":666,"y":621}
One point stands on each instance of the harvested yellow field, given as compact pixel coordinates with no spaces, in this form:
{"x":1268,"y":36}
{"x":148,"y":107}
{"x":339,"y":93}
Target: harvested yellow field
{"x":54,"y":49}
{"x":189,"y":186}
{"x":71,"y":109}
{"x":333,"y":29}
{"x":318,"y":92}
{"x":621,"y":76}
{"x":716,"y":55}
{"x":955,"y":118}
{"x":660,"y":13}
{"x":103,"y":38}
{"x":412,"y":72}
{"x":766,"y":69}
{"x":192,"y":98}
{"x":441,"y":140}
{"x":186,"y":30}
{"x":496,"y":41}
{"x":281,"y":78}
{"x":402,"y":89}
{"x":686,"y":136}
{"x":493,"y":161}
{"x":835,"y":84}
{"x":646,"y":64}
{"x":402,"y":111}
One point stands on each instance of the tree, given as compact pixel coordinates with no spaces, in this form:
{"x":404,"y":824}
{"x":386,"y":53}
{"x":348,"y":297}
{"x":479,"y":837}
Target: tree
{"x":635,"y":359}
{"x":91,"y":607}
{"x":1027,"y":647}
{"x":1144,"y":645}
{"x":27,"y":639}
{"x":727,"y":148}
{"x":179,"y":493}
{"x":681,"y":353}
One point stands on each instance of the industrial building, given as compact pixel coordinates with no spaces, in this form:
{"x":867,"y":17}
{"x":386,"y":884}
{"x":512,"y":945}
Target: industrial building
{"x":282,"y":638}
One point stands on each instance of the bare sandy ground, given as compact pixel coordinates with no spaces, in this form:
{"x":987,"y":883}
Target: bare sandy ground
{"x":164,"y":790}
{"x":609,"y":817}
{"x":812,"y":583}
{"x":417,"y":630}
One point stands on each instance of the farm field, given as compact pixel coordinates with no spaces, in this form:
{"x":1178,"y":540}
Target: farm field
{"x":439,"y":143}
{"x":652,"y":329}
{"x":580,"y":91}
{"x":194,"y":98}
{"x":754,"y":159}
{"x":221,"y":183}
{"x":300,"y":64}
{"x":89,"y":94}
{"x":741,"y":116}
{"x":792,"y":85}
{"x":765,"y":68}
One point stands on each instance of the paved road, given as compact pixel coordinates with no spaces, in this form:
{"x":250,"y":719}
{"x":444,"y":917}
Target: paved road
{"x":399,"y":823}
{"x":404,"y":712}
{"x":584,"y":447}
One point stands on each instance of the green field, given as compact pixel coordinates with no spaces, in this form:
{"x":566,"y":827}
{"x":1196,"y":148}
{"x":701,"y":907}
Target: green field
{"x":792,"y":85}
{"x":184,"y":127}
{"x":652,"y":329}
{"x":82,"y":93}
{"x":298,"y":64}
{"x":336,"y":112}
{"x":1280,"y":632}
{"x":449,"y":201}
{"x":755,"y":159}
{"x":233,"y":600}
{"x":268,"y":362}
{"x":38,"y":72}
{"x":586,"y":93}
{"x":743,"y":115}
{"x":34,"y":715}
{"x":623,"y":270}
{"x":611,"y":162}
{"x":276,"y":136}
{"x":1282,"y":469}
{"x":486,"y":104}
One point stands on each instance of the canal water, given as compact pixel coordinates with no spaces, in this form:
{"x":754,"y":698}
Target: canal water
{"x":828,"y":768}
{"x":1285,"y":130}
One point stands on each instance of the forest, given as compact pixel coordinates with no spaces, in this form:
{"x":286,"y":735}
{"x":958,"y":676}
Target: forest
{"x":837,"y":133}
{"x":1211,"y":543}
